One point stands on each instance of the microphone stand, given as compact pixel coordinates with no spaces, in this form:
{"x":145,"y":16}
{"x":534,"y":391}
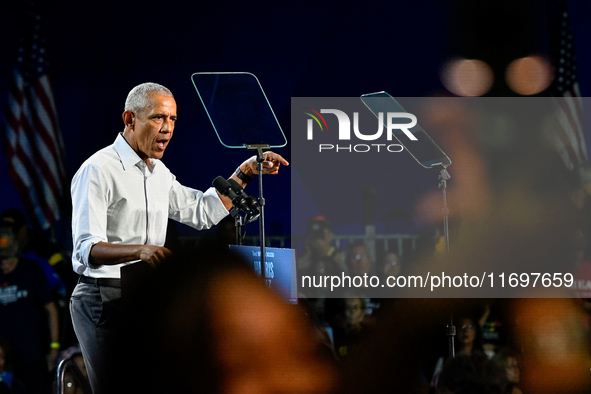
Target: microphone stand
{"x":259,"y":148}
{"x":238,"y":226}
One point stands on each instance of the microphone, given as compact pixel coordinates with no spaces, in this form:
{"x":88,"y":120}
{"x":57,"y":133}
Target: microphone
{"x":251,"y":202}
{"x":239,"y":199}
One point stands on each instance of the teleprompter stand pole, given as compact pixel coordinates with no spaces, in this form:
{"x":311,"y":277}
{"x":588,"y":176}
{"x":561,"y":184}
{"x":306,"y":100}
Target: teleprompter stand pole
{"x":260,"y":148}
{"x":451,"y":333}
{"x":443,"y":177}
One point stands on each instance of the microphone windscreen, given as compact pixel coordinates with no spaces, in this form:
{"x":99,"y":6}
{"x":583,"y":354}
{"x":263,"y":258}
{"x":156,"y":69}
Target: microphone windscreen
{"x":221,"y":185}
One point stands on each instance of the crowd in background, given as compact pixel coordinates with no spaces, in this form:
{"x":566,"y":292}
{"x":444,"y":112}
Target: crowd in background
{"x":491,"y":346}
{"x":214,"y":327}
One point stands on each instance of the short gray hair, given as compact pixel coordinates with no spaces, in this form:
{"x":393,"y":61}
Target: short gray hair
{"x":139,"y":98}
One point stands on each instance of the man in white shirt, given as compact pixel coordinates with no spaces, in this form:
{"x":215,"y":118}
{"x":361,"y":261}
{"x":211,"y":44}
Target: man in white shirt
{"x":122,"y":197}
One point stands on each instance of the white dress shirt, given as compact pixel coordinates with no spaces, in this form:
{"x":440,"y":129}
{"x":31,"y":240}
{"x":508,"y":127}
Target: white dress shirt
{"x":117,"y":198}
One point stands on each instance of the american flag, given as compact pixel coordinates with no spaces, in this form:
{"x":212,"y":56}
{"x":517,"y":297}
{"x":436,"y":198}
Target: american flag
{"x":570,"y":138}
{"x":32,"y":140}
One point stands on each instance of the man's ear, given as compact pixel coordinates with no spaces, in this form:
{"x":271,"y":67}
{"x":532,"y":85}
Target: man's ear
{"x":128,"y":118}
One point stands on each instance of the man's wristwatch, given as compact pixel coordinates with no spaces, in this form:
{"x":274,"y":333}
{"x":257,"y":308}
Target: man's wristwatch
{"x":242,"y":176}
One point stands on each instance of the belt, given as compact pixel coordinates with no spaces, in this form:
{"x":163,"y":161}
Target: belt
{"x":108,"y":282}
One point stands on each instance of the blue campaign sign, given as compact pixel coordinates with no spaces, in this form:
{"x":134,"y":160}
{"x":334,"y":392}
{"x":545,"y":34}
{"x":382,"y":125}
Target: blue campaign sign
{"x":280,"y":269}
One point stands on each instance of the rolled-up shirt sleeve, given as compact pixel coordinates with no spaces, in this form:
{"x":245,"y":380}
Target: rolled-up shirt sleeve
{"x":89,"y":212}
{"x":195,"y":208}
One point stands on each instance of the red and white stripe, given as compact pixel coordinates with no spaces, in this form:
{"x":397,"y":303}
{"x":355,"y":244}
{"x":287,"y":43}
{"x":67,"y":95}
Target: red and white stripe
{"x":570,"y":137}
{"x":34,"y":148}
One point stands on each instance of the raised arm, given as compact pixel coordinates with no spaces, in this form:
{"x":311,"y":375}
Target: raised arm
{"x":271,"y":166}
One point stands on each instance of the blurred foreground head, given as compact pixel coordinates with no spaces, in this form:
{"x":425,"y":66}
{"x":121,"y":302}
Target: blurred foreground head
{"x":553,"y":335}
{"x":205,"y":323}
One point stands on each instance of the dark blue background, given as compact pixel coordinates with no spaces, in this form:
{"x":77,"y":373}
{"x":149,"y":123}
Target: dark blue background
{"x":99,"y":52}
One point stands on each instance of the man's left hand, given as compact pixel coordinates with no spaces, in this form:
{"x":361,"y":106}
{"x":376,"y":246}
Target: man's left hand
{"x":271,"y":164}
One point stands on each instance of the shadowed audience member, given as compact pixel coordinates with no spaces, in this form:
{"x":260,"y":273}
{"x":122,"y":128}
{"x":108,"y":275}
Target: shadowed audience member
{"x":320,"y":256}
{"x":508,"y":360}
{"x":468,"y":341}
{"x":24,"y":299}
{"x":346,"y":317}
{"x":358,"y":259}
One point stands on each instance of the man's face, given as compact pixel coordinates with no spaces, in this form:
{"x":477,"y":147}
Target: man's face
{"x":8,"y":264}
{"x":320,"y":241}
{"x":354,"y":313}
{"x":360,"y":261}
{"x":153,"y":128}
